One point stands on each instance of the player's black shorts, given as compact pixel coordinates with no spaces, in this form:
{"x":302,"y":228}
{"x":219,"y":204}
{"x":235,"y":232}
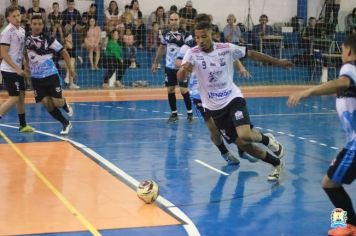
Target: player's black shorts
{"x":199,"y":106}
{"x":233,"y":115}
{"x":171,"y":78}
{"x":47,"y":87}
{"x":343,"y":169}
{"x":14,"y":83}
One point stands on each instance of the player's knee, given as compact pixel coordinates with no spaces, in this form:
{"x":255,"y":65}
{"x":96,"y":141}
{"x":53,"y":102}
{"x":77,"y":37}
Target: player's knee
{"x":171,"y":89}
{"x":245,"y":138}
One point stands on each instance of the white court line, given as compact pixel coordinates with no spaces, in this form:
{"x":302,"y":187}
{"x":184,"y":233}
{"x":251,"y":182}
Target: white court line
{"x":189,"y":226}
{"x":210,"y":167}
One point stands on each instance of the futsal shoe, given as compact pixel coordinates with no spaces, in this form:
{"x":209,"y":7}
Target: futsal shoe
{"x":26,"y":129}
{"x":70,"y":111}
{"x":66,"y":129}
{"x":348,"y":230}
{"x":275,"y":146}
{"x":276,"y":172}
{"x":230,"y":159}
{"x":173,"y":118}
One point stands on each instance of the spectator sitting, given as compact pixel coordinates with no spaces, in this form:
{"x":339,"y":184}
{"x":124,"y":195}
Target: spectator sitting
{"x":232,"y":32}
{"x":55,"y":22}
{"x":135,"y":11}
{"x":126,"y":20}
{"x":91,"y":13}
{"x":92,"y":43}
{"x":112,"y":16}
{"x":153,"y":37}
{"x":311,"y":32}
{"x":71,"y":16}
{"x":157,"y":16}
{"x":35,"y":10}
{"x":350,"y":21}
{"x":130,"y":49}
{"x":188,"y":13}
{"x":261,"y":30}
{"x":140,"y":33}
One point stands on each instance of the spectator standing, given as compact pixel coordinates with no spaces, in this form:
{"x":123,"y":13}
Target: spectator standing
{"x":188,"y":13}
{"x":55,"y":22}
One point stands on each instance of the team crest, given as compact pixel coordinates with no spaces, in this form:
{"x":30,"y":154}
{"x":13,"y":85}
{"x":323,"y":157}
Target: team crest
{"x":239,"y":115}
{"x":338,"y":218}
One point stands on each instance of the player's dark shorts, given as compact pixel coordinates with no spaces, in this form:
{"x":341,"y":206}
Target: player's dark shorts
{"x":14,"y":83}
{"x":47,"y":87}
{"x":170,"y":78}
{"x":199,"y":106}
{"x":343,"y":169}
{"x":233,"y":115}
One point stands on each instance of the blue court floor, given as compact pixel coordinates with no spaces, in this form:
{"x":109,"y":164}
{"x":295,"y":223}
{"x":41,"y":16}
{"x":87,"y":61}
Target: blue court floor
{"x":217,"y":199}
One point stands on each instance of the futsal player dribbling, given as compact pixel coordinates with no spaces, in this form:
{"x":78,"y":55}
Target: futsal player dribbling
{"x":343,"y":169}
{"x":213,"y":64}
{"x":44,"y":74}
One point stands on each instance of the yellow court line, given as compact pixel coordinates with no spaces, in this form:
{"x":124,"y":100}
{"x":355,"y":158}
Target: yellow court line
{"x":49,"y":185}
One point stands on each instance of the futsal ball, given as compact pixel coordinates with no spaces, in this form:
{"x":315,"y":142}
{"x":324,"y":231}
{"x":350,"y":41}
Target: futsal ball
{"x":148,"y":191}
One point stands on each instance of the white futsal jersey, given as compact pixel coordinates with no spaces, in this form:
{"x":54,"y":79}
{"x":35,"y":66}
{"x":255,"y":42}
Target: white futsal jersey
{"x":15,"y":39}
{"x":215,"y":71}
{"x":346,"y":105}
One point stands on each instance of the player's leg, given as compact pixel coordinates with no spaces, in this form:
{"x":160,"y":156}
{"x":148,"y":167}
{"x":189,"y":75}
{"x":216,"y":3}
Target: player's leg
{"x":15,"y":86}
{"x":183,"y":86}
{"x":171,"y":82}
{"x":240,"y":118}
{"x":342,"y":171}
{"x":216,"y":138}
{"x":57,"y":114}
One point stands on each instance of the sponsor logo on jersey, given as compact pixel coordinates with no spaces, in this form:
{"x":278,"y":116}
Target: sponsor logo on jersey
{"x":218,"y":95}
{"x":223,"y":53}
{"x":213,"y":76}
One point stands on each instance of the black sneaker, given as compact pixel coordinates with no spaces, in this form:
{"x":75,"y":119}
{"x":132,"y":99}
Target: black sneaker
{"x":66,"y":129}
{"x":173,"y":118}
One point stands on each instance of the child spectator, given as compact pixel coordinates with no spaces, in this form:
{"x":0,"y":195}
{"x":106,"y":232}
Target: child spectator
{"x":153,"y":40}
{"x":140,"y":34}
{"x":69,"y":46}
{"x":131,"y":50}
{"x":92,"y":43}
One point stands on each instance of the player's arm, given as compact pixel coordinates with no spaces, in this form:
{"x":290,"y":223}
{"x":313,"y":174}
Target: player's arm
{"x":257,"y":56}
{"x":25,"y":63}
{"x":241,"y":69}
{"x":66,"y":58}
{"x":5,"y":56}
{"x":161,"y":50}
{"x":331,"y":87}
